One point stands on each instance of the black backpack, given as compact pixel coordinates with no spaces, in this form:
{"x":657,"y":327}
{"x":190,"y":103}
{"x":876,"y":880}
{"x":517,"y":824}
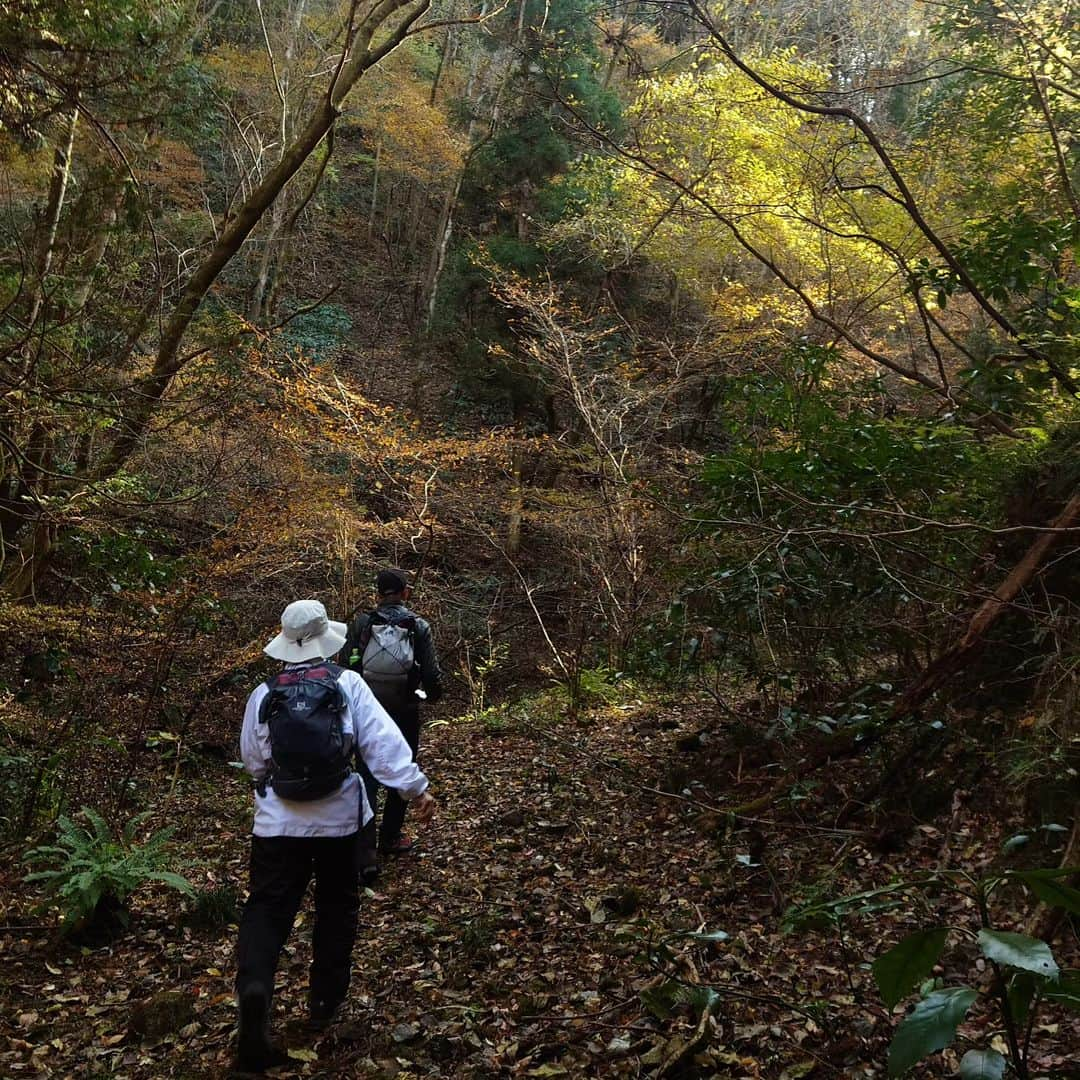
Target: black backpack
{"x":310,"y":752}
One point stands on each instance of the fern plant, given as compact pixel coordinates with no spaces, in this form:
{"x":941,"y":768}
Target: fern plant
{"x":92,"y":870}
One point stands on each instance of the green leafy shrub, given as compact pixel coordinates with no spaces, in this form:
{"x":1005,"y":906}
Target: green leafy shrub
{"x":120,"y":561}
{"x":215,"y":906}
{"x":478,"y":675}
{"x":597,"y":686}
{"x":478,"y":936}
{"x":588,"y":689}
{"x":1025,"y":973}
{"x":31,"y":790}
{"x":495,"y":720}
{"x":93,"y":872}
{"x":15,"y":773}
{"x":320,"y":332}
{"x":811,"y":559}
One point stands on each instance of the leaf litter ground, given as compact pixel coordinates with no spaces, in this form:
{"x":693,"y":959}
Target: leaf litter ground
{"x":541,"y":930}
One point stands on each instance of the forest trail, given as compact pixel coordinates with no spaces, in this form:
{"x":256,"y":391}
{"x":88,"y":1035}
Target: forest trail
{"x":520,"y":938}
{"x":712,"y":367}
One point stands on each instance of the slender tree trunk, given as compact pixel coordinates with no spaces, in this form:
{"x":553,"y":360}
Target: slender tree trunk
{"x":273,"y":238}
{"x":616,"y":46}
{"x":416,"y":213}
{"x":19,"y":487}
{"x":95,"y":251}
{"x":54,"y":208}
{"x":29,"y":477}
{"x":404,"y":202}
{"x":272,"y":241}
{"x":445,"y":58}
{"x":443,"y":234}
{"x":1064,"y":174}
{"x":58,"y":185}
{"x":148,"y":391}
{"x":962,"y":652}
{"x":517,"y":502}
{"x":374,"y":190}
{"x":145,"y":395}
{"x":35,"y":553}
{"x":525,"y":189}
{"x":37,"y":545}
{"x":283,"y":250}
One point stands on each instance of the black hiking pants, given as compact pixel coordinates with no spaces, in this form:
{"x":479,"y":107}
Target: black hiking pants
{"x":407,"y":718}
{"x":281,"y":868}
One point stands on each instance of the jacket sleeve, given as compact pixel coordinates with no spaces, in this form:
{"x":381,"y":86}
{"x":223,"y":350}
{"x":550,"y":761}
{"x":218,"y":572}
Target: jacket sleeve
{"x":379,"y":741}
{"x":427,"y":660}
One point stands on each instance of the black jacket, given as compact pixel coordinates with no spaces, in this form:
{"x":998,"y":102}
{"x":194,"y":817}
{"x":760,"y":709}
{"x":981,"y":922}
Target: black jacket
{"x":426,"y":673}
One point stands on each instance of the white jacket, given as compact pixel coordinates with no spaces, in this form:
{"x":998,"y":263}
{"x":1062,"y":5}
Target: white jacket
{"x":377,"y":740}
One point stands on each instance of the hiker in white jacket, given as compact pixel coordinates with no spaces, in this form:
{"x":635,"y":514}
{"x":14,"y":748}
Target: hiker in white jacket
{"x":300,"y":734}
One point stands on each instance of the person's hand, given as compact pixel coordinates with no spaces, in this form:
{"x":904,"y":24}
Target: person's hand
{"x":423,"y":808}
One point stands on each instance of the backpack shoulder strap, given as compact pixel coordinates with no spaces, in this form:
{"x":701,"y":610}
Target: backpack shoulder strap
{"x":264,"y":705}
{"x":336,"y":671}
{"x":371,"y":618}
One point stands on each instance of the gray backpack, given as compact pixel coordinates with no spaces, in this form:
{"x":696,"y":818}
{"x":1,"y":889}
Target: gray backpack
{"x":386,"y":650}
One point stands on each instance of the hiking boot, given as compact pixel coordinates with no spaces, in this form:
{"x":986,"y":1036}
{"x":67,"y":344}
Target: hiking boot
{"x":254,"y":1051}
{"x":321,"y":1014}
{"x":369,"y":875}
{"x":401,"y":846}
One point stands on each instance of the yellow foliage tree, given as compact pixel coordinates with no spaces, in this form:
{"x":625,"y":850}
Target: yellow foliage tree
{"x":717,"y":178}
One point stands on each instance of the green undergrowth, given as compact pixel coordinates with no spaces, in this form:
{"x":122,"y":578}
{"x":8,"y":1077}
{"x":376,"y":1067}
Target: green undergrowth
{"x":597,"y":690}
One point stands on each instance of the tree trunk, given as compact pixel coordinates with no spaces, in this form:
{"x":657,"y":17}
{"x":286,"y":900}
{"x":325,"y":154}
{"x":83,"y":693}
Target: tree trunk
{"x":148,"y":391}
{"x":445,"y":58}
{"x":58,"y":185}
{"x":35,"y":553}
{"x":95,"y":250}
{"x":617,"y":46}
{"x":283,"y":250}
{"x":963,"y":652}
{"x":22,"y":481}
{"x":272,"y":241}
{"x":524,"y":202}
{"x":374,"y":191}
{"x":36,"y":549}
{"x":416,"y":214}
{"x":443,"y":233}
{"x":145,"y":395}
{"x":517,"y":503}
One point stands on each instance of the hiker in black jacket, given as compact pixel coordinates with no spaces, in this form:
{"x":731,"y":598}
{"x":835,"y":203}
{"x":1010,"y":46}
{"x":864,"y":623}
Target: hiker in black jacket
{"x":394,"y":650}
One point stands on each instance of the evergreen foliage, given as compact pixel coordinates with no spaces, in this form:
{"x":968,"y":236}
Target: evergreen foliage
{"x":94,"y":871}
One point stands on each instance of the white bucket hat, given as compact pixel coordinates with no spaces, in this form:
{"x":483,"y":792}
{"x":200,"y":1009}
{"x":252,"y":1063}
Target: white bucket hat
{"x":306,"y":634}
